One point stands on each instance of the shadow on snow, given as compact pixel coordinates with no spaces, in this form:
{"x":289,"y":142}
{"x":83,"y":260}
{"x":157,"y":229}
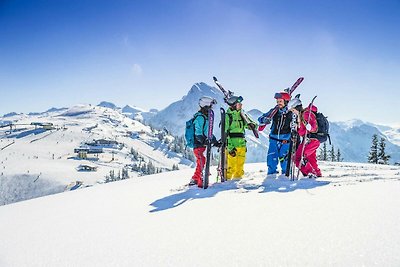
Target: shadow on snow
{"x":281,"y":185}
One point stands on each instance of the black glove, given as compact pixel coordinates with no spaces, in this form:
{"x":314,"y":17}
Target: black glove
{"x":232,"y":152}
{"x":217,"y":143}
{"x":251,"y":125}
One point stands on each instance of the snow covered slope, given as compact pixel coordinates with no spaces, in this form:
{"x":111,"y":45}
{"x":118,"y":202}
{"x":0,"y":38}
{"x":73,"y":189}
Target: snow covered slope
{"x":349,"y":217}
{"x":35,"y":161}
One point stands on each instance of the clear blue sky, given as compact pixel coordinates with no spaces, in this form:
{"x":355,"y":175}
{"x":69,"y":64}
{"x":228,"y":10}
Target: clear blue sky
{"x":149,"y":53}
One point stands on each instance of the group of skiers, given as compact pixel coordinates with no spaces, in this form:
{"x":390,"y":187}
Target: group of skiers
{"x":280,"y":138}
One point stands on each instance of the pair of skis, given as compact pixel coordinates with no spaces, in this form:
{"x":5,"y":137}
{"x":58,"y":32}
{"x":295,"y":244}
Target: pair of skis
{"x":290,"y":166}
{"x":222,"y":163}
{"x":206,"y":174}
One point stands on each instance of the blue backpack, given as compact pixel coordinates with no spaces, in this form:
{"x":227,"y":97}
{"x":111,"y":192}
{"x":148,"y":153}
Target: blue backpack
{"x":190,"y":130}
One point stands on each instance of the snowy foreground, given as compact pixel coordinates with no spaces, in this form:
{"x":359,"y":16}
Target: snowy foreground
{"x":349,"y":217}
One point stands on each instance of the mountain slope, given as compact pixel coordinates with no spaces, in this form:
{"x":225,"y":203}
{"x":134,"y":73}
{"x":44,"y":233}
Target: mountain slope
{"x":35,"y":161}
{"x":348,"y":218}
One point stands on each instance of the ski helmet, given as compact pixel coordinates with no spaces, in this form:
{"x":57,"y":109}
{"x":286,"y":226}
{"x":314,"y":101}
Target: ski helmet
{"x":207,"y":101}
{"x":282,"y":95}
{"x":294,"y":103}
{"x":233,"y":100}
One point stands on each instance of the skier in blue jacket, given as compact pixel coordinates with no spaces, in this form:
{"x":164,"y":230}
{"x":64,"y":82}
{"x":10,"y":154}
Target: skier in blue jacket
{"x":279,"y":138}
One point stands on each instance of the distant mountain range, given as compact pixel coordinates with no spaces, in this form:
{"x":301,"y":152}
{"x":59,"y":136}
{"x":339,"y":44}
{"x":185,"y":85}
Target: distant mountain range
{"x":352,"y":137}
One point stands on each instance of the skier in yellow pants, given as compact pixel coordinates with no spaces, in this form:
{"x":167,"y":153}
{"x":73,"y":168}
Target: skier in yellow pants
{"x":235,"y":127}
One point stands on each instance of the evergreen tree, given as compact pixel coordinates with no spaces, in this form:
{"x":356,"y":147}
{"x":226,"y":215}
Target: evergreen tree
{"x":151,"y":169}
{"x":323,"y":155}
{"x":373,"y":153}
{"x":143,"y":168}
{"x":111,"y":177}
{"x":134,"y":154}
{"x":332,"y":156}
{"x":383,"y":158}
{"x":338,"y":156}
{"x":175,"y":167}
{"x":125,"y":174}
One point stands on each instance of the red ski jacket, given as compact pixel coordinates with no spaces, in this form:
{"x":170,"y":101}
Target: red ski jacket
{"x":307,"y":113}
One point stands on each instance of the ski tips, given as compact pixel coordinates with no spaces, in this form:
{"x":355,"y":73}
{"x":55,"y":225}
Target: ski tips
{"x":215,"y":79}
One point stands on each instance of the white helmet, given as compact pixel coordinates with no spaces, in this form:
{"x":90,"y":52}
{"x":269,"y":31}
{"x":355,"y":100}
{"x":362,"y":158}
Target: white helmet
{"x":207,"y":101}
{"x":295,"y":102}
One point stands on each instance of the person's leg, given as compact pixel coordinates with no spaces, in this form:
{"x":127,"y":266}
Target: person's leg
{"x":240,"y":160}
{"x":272,"y":156}
{"x":231,"y":160}
{"x":283,"y":156}
{"x":200,"y":163}
{"x":312,"y":156}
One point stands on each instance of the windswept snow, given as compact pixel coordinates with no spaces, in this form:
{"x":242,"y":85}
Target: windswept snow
{"x":349,"y":217}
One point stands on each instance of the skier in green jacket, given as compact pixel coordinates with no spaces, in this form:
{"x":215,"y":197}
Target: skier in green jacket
{"x":235,"y":126}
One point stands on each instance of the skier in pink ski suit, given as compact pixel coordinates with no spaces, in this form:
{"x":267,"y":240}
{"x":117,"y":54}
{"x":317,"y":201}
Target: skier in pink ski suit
{"x":307,"y":124}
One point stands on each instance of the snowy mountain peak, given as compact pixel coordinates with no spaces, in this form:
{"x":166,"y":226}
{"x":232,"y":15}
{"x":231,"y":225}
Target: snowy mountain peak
{"x":78,"y":110}
{"x":11,"y":114}
{"x":351,"y":123}
{"x":202,"y":89}
{"x":134,"y":109}
{"x":176,"y":114}
{"x":106,"y":104}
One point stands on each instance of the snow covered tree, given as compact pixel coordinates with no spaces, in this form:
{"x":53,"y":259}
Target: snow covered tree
{"x":383,"y":158}
{"x":111,"y":177}
{"x":373,"y":153}
{"x":125,"y":174}
{"x":175,"y":167}
{"x":134,"y":154}
{"x":150,"y":168}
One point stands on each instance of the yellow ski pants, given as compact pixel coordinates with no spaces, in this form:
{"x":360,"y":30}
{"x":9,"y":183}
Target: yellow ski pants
{"x":236,"y":164}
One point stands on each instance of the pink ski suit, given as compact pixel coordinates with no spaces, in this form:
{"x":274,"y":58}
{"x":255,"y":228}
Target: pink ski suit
{"x":309,"y":165}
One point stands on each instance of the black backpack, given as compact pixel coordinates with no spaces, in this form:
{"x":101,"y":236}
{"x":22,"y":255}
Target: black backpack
{"x":323,"y":128}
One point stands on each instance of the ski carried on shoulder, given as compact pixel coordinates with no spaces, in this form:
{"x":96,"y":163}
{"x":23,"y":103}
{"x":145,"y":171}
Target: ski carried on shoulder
{"x":206,"y":174}
{"x":271,"y":114}
{"x":244,"y":115}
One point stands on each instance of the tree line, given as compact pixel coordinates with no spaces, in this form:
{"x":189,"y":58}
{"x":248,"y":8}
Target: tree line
{"x":377,"y":153}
